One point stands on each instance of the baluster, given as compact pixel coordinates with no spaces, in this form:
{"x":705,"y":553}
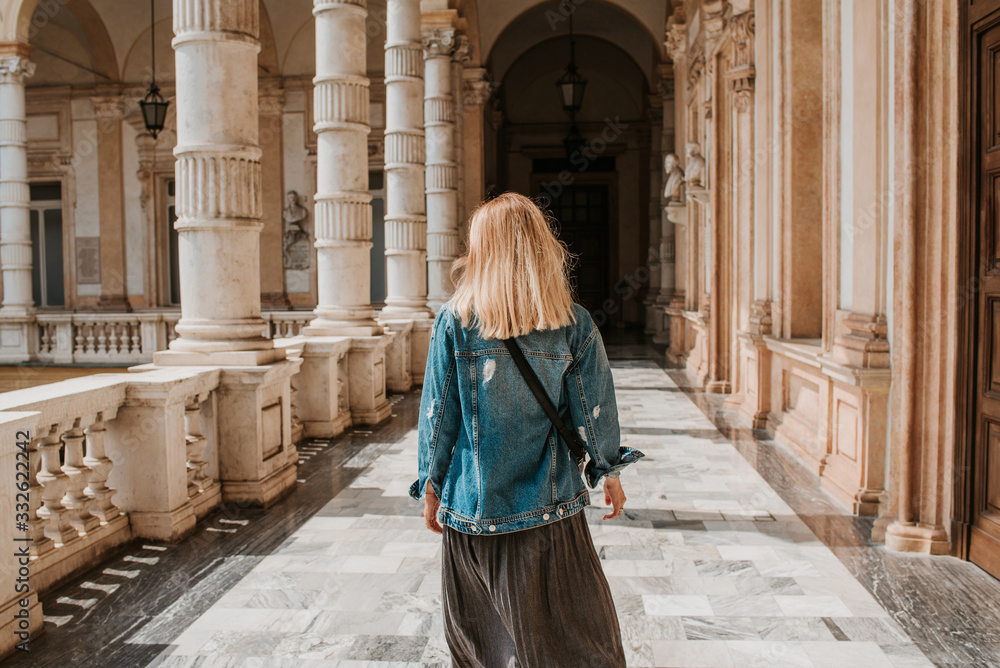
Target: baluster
{"x":136,"y":337}
{"x":113,"y":338}
{"x":196,"y":442}
{"x":40,"y":543}
{"x":102,"y":338}
{"x":90,"y":337}
{"x":100,"y":467}
{"x":54,"y":484}
{"x":78,"y":514}
{"x":43,"y":340}
{"x":78,"y":339}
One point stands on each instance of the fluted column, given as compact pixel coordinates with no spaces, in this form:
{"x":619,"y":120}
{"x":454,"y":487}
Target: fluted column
{"x":405,"y":217}
{"x":343,"y":205}
{"x":218,"y":184}
{"x":15,"y":229}
{"x":442,"y":172}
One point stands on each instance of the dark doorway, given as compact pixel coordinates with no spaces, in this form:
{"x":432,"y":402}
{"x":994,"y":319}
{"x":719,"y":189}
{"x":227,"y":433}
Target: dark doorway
{"x":582,"y":216}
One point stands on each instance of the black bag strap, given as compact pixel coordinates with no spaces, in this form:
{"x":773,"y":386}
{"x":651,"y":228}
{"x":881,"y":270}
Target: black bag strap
{"x":571,"y":439}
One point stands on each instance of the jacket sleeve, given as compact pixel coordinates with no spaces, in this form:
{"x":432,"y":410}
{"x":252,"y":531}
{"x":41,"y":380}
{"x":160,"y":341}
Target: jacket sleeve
{"x":594,"y":410}
{"x":440,"y":417}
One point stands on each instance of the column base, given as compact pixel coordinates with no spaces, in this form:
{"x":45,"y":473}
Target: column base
{"x":323,"y":399}
{"x":368,"y":401}
{"x":920,"y":538}
{"x":341,"y":329}
{"x":398,"y":368}
{"x":262,"y":493}
{"x":169,"y":526}
{"x":218,"y":358}
{"x":257,"y":458}
{"x":17,"y":338}
{"x":207,"y":500}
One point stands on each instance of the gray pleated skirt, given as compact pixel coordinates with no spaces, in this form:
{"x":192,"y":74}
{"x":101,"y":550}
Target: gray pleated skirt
{"x":536,"y":598}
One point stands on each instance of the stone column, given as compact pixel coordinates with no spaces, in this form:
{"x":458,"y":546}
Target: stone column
{"x":475,"y":92}
{"x":218,"y":185}
{"x":442,"y":177}
{"x":343,"y":205}
{"x":343,"y":237}
{"x":15,"y":230}
{"x":109,"y":108}
{"x":459,"y":60}
{"x":405,"y":217}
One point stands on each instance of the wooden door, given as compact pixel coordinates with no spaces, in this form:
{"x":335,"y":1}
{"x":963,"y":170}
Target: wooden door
{"x":581,"y":212}
{"x":984,"y":464}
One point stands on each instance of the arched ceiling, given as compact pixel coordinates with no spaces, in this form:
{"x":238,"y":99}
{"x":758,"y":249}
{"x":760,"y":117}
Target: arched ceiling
{"x":616,"y":85}
{"x":507,"y":29}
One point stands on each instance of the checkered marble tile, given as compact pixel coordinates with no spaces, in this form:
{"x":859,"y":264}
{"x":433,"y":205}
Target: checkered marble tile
{"x":709,"y":567}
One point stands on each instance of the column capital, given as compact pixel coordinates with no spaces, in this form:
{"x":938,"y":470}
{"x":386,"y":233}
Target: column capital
{"x":15,"y":68}
{"x":108,"y":106}
{"x":438,"y":42}
{"x":715,"y":13}
{"x":676,"y":37}
{"x":741,"y":73}
{"x":463,"y":51}
{"x":270,"y":97}
{"x":476,"y":87}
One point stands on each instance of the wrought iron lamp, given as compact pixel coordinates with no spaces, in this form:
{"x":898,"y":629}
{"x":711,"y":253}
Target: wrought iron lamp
{"x":571,"y":88}
{"x":154,"y":107}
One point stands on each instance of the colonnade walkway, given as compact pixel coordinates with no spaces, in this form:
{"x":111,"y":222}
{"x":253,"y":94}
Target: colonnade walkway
{"x":710,"y":566}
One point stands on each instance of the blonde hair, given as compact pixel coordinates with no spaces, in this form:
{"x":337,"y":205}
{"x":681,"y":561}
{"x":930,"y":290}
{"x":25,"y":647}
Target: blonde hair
{"x":514,"y":278}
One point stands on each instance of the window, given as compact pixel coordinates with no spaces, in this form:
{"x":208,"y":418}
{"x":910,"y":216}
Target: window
{"x":376,"y":186}
{"x":47,"y":286}
{"x":173,"y":292}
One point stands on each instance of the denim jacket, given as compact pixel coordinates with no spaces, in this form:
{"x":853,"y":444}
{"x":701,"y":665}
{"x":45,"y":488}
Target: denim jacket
{"x":490,"y":453}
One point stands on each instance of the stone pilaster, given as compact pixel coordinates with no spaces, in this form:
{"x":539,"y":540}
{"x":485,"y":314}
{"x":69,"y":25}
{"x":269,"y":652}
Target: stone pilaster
{"x":15,"y":230}
{"x":343,"y":205}
{"x":442,"y":172}
{"x":655,"y":227}
{"x":405,"y":215}
{"x":109,"y":108}
{"x":218,"y":186}
{"x":475,"y":93}
{"x":271,"y":106}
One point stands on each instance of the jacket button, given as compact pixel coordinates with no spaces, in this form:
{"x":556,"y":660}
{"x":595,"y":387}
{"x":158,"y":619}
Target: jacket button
{"x":562,"y":510}
{"x":545,"y":516}
{"x":492,"y":528}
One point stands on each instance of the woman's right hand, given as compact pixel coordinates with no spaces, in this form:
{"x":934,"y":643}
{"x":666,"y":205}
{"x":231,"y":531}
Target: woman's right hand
{"x":614,"y":496}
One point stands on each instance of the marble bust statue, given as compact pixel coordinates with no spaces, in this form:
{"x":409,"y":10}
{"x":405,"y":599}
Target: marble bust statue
{"x":694,"y":173}
{"x":675,"y":179}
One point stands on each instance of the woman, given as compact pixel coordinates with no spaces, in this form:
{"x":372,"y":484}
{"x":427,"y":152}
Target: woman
{"x":521,"y":581}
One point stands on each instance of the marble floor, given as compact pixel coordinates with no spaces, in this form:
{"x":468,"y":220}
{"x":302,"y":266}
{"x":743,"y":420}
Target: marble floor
{"x":711,"y":565}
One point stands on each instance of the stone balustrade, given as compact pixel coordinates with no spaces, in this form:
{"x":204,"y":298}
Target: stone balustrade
{"x":113,"y":457}
{"x":129,"y":338}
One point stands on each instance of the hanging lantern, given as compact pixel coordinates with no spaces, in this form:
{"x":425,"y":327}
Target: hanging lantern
{"x":154,"y":107}
{"x":154,"y":110}
{"x":571,"y":84}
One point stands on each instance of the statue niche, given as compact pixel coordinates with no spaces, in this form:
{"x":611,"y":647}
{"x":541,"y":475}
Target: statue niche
{"x":296,"y":248}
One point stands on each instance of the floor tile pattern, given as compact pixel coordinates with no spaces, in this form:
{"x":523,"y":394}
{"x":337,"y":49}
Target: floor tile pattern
{"x":708,"y":567}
